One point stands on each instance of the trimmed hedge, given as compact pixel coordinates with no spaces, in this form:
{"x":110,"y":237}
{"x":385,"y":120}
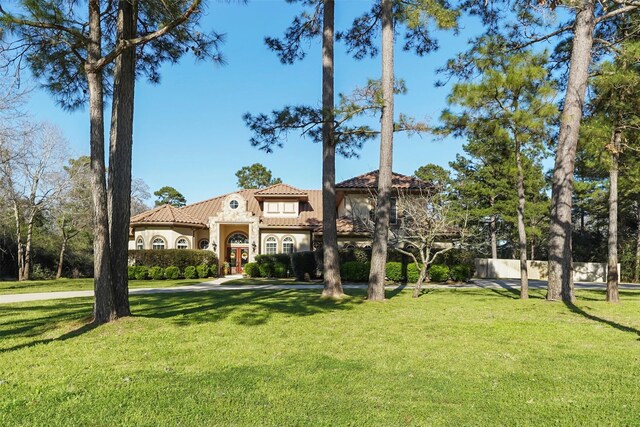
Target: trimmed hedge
{"x":355,"y":271}
{"x":141,"y":272}
{"x":203,"y":271}
{"x":266,"y":269}
{"x":252,"y":269}
{"x":393,"y":271}
{"x":156,"y":273}
{"x":439,"y":273}
{"x":172,"y":272}
{"x":413,"y":273}
{"x":190,"y":272}
{"x":181,"y":258}
{"x":303,"y":263}
{"x":460,"y":273}
{"x":280,"y":270}
{"x":131,"y":272}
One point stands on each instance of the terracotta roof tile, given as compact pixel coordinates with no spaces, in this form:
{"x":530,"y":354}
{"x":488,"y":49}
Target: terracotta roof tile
{"x":370,"y":180}
{"x":280,"y":190}
{"x":167,"y":214}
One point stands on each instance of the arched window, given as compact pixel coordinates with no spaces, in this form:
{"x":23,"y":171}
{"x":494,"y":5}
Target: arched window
{"x":288,"y":245}
{"x":238,"y":239}
{"x":140,"y":244}
{"x":204,"y":244}
{"x":271,"y":245}
{"x":158,"y":243}
{"x":182,"y":243}
{"x":349,"y":246}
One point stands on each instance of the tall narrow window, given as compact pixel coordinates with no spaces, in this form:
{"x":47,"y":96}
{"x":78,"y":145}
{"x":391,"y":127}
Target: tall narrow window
{"x":158,"y":243}
{"x":182,"y":243}
{"x":393,"y":212}
{"x":271,"y":245}
{"x":288,"y":245}
{"x":140,"y":244}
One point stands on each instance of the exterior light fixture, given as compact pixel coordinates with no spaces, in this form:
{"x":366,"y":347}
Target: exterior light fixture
{"x":254,"y":246}
{"x":214,"y":246}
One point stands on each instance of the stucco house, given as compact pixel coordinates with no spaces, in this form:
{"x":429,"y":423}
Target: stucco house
{"x":277,"y":219}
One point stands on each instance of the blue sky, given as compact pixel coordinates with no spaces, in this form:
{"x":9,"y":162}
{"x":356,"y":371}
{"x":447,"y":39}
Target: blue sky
{"x":189,"y":131}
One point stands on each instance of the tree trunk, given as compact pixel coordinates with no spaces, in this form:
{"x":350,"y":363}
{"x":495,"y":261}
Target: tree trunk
{"x":560,"y":252}
{"x":331,"y":263}
{"x":636,"y":270}
{"x":493,"y":230}
{"x":522,"y":232}
{"x":63,"y":249}
{"x":381,"y":231}
{"x":417,"y":290}
{"x":612,"y":259}
{"x":26,"y":273}
{"x":19,"y":245}
{"x":104,"y":310}
{"x":120,"y":151}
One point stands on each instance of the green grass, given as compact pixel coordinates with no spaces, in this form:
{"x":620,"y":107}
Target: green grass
{"x":246,"y":358}
{"x":14,"y":287}
{"x":272,"y":281}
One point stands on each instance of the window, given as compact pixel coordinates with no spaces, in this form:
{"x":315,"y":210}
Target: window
{"x":238,"y":239}
{"x":182,"y":243}
{"x":393,"y":212}
{"x":204,"y":244}
{"x":288,"y":245}
{"x":349,"y":246}
{"x":158,"y":243}
{"x":140,"y":244}
{"x":271,"y":245}
{"x":234,"y":204}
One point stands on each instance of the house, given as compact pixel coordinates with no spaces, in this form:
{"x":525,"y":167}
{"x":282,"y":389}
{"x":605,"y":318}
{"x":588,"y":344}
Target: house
{"x":277,"y":219}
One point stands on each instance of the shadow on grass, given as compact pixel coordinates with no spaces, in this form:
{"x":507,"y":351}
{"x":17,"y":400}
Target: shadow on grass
{"x":248,"y":307}
{"x":577,"y":310}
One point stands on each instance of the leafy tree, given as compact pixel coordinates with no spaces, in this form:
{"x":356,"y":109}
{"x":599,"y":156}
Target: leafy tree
{"x":510,"y":106}
{"x":437,"y":176}
{"x":255,"y":176}
{"x":169,"y":196}
{"x":74,"y":50}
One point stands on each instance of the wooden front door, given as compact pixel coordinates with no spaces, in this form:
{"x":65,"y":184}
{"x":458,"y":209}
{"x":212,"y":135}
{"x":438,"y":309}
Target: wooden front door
{"x":237,"y":258}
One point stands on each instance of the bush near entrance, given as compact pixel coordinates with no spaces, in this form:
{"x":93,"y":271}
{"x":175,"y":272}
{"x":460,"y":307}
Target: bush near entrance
{"x":181,"y":258}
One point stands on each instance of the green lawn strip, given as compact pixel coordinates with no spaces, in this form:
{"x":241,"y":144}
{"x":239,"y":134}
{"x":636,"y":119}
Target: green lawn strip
{"x":450,"y":357}
{"x":31,"y":286}
{"x":269,"y":281}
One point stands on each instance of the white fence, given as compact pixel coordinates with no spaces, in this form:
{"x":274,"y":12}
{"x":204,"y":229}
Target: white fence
{"x":487,"y":268}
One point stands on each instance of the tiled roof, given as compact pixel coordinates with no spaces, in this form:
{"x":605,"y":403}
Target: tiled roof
{"x":169,"y":215}
{"x":346,"y":225}
{"x":310,"y":210}
{"x":281,"y":190}
{"x":370,"y":180}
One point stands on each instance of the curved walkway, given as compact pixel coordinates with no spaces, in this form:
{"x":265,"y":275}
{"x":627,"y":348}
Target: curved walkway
{"x":218,"y":285}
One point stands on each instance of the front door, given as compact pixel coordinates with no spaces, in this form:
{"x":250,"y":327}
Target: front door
{"x":237,"y":258}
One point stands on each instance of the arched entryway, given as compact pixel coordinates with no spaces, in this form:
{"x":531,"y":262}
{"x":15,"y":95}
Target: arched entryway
{"x":237,"y":251}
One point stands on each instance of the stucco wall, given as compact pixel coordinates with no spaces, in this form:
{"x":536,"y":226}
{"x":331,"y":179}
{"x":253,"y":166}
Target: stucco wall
{"x":355,"y":205}
{"x":510,"y":269}
{"x":301,"y":237}
{"x":170,"y":236}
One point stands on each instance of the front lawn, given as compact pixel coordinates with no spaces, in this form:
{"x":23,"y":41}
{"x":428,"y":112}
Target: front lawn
{"x":270,"y":281}
{"x":29,"y":286}
{"x":280,"y":358}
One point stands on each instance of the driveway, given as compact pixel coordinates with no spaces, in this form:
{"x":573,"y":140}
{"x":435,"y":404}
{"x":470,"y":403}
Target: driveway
{"x":218,"y":285}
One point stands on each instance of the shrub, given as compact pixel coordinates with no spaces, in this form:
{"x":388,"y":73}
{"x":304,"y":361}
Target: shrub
{"x":459,"y":256}
{"x":203,"y":271}
{"x":439,"y":273}
{"x":303,"y":263}
{"x":190,"y":272}
{"x":280,"y":270}
{"x":172,"y":272}
{"x":142,"y":272}
{"x":131,"y":272}
{"x":180,"y":258}
{"x":156,"y":273}
{"x":355,"y":254}
{"x":252,"y":269}
{"x":266,"y":269}
{"x":460,"y":273}
{"x":355,"y":271}
{"x":413,"y":273}
{"x":273,"y":259}
{"x":213,"y":270}
{"x":393,"y":271}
